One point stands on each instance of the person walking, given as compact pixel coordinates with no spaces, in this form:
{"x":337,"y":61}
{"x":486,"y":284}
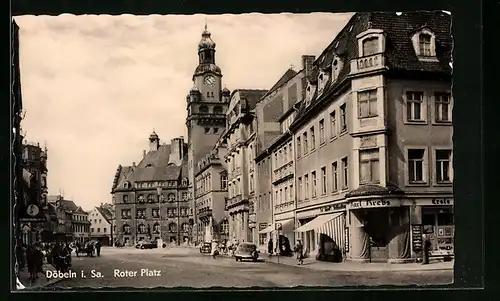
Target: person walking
{"x":270,"y":246}
{"x":98,"y":247}
{"x":214,"y":252}
{"x":299,"y":249}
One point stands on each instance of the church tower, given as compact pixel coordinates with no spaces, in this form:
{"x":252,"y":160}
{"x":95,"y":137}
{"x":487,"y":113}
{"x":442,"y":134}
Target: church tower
{"x":207,"y":104}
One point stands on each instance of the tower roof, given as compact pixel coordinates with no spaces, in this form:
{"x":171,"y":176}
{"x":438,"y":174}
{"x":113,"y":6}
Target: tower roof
{"x":206,"y":41}
{"x":153,"y":136}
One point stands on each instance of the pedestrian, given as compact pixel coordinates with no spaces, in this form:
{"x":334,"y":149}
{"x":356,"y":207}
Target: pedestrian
{"x":38,"y":258}
{"x":270,"y":246}
{"x":98,"y":247}
{"x":21,"y":255}
{"x":214,"y":252}
{"x":31,"y":262}
{"x":299,"y":249}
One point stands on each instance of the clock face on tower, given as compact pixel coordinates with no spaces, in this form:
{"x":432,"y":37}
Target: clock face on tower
{"x":209,"y":80}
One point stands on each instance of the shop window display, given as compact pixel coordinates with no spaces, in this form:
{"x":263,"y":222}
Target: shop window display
{"x":438,"y":225}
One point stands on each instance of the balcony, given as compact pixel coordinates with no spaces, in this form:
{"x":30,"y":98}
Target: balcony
{"x":368,"y":63}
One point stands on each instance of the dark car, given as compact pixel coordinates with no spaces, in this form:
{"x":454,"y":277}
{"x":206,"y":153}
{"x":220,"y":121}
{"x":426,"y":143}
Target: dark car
{"x":206,"y":248}
{"x":246,"y":250}
{"x":146,"y":245}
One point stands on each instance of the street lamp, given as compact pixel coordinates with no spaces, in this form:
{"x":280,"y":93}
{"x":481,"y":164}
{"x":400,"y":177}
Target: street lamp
{"x":159,"y":191}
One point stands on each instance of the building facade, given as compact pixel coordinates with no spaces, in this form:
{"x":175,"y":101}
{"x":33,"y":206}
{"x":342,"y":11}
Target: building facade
{"x":207,"y":103}
{"x":101,"y":225}
{"x":81,"y":225}
{"x":240,"y":139}
{"x":376,"y":140}
{"x":64,"y":212}
{"x":211,"y":194}
{"x":151,"y":199}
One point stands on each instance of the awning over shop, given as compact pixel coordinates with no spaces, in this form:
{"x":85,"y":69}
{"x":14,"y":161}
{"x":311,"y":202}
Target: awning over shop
{"x":26,"y":177}
{"x":332,"y":225}
{"x":286,"y":225}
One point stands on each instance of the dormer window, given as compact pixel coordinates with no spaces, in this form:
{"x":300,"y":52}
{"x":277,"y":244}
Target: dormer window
{"x":336,"y":67}
{"x":370,"y":42}
{"x":424,"y":43}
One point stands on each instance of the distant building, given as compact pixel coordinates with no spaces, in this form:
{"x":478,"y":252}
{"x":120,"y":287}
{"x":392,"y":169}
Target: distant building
{"x":101,"y":224}
{"x":64,"y":211}
{"x":151,"y":198}
{"x":81,"y":225}
{"x":240,"y":139}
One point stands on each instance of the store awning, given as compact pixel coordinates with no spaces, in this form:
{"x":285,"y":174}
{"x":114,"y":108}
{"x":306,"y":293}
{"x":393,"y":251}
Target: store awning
{"x":27,"y":177}
{"x":318,"y":222}
{"x":332,"y":225}
{"x":285,"y":226}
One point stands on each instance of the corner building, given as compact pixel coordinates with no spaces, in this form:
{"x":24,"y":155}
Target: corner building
{"x":151,"y":198}
{"x":373,"y":141}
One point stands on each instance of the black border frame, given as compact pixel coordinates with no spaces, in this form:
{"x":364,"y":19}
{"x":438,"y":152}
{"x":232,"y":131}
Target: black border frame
{"x":469,"y":113}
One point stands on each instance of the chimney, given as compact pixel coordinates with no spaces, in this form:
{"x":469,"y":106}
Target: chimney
{"x":307,"y":64}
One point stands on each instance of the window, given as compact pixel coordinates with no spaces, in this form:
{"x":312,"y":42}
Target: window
{"x":442,"y":107}
{"x":286,"y":195}
{"x":126,"y":229}
{"x":336,"y":67}
{"x":333,"y":125}
{"x":140,"y":198}
{"x":291,"y":193}
{"x":91,"y":229}
{"x":323,"y":180}
{"x":126,"y":214}
{"x":299,"y":150}
{"x":367,"y":101}
{"x":416,"y":165}
{"x":304,"y":136}
{"x":207,"y":130}
{"x":223,"y":181}
{"x":276,"y":197}
{"x":104,"y":230}
{"x":443,"y":166}
{"x":370,"y":46}
{"x":299,"y":191}
{"x":281,"y":196}
{"x":171,"y":197}
{"x":369,"y":166}
{"x":216,"y":130}
{"x":306,"y":186}
{"x":151,"y":198}
{"x":314,"y":184}
{"x":172,"y":227}
{"x":313,"y":138}
{"x":414,"y":102}
{"x":98,"y":230}
{"x":321,"y":131}
{"x":424,"y":44}
{"x":335,"y":177}
{"x":251,"y":183}
{"x":345,"y":173}
{"x":343,"y":120}
{"x":203,"y":109}
{"x":100,"y":221}
{"x":125,"y":198}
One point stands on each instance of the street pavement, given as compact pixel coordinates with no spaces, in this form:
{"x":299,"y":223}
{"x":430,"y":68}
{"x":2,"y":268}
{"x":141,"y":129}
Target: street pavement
{"x":186,"y":267}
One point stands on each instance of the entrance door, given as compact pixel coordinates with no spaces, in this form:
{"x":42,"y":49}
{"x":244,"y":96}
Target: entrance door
{"x":377,"y":227}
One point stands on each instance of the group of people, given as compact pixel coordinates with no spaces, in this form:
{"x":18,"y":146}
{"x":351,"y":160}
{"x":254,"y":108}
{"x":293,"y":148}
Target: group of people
{"x":32,"y":257}
{"x":89,"y":247}
{"x":299,"y":250}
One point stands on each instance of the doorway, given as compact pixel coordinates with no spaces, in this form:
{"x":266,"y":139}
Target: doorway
{"x":377,"y":227}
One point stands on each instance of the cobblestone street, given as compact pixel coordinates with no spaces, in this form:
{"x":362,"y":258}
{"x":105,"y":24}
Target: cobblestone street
{"x":187,"y":267}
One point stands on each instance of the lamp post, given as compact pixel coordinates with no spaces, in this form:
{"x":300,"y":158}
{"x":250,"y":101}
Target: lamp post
{"x":159,"y":191}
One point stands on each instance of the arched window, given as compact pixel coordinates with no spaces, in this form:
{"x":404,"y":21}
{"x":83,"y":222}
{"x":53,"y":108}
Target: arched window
{"x":224,"y":227}
{"x":141,"y":228}
{"x":156,"y":228}
{"x":172,"y":227}
{"x":185,"y":227}
{"x":203,"y":109}
{"x":171,"y":197}
{"x":184,"y":182}
{"x":151,"y":198}
{"x":140,"y":198}
{"x":126,"y":229}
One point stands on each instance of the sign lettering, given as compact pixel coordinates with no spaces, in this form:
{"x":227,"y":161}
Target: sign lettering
{"x":333,"y":207}
{"x":441,"y":202}
{"x":356,"y":204}
{"x":278,"y":226}
{"x":346,"y":247}
{"x":262,"y":226}
{"x":416,"y":234}
{"x":378,"y":203}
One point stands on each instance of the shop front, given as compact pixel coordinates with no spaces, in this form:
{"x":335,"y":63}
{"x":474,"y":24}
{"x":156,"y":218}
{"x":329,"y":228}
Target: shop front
{"x":433,"y":218}
{"x":282,"y":235}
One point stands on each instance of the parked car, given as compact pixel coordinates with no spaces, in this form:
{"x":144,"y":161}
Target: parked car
{"x":146,"y":245}
{"x":206,"y":247}
{"x":246,"y":250}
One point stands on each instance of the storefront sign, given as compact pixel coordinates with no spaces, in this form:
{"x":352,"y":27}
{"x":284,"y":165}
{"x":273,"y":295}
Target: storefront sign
{"x":262,"y":226}
{"x":346,"y":239}
{"x":375,"y":204}
{"x":333,"y":207}
{"x":442,"y":202}
{"x":416,"y":234}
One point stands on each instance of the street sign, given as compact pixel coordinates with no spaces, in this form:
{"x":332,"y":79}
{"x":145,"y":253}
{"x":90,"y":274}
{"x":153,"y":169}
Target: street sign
{"x":33,"y":210}
{"x":279,"y":226}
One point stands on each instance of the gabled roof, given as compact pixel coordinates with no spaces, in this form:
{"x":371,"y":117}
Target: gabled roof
{"x":163,"y":173}
{"x":252,"y":96}
{"x":105,"y":213}
{"x":156,"y":158}
{"x":288,"y":75}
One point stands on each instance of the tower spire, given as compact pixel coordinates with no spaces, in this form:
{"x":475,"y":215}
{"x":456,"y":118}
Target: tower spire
{"x":206,"y":26}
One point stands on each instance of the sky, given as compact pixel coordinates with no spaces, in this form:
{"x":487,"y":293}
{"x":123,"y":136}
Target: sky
{"x":95,"y":86}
